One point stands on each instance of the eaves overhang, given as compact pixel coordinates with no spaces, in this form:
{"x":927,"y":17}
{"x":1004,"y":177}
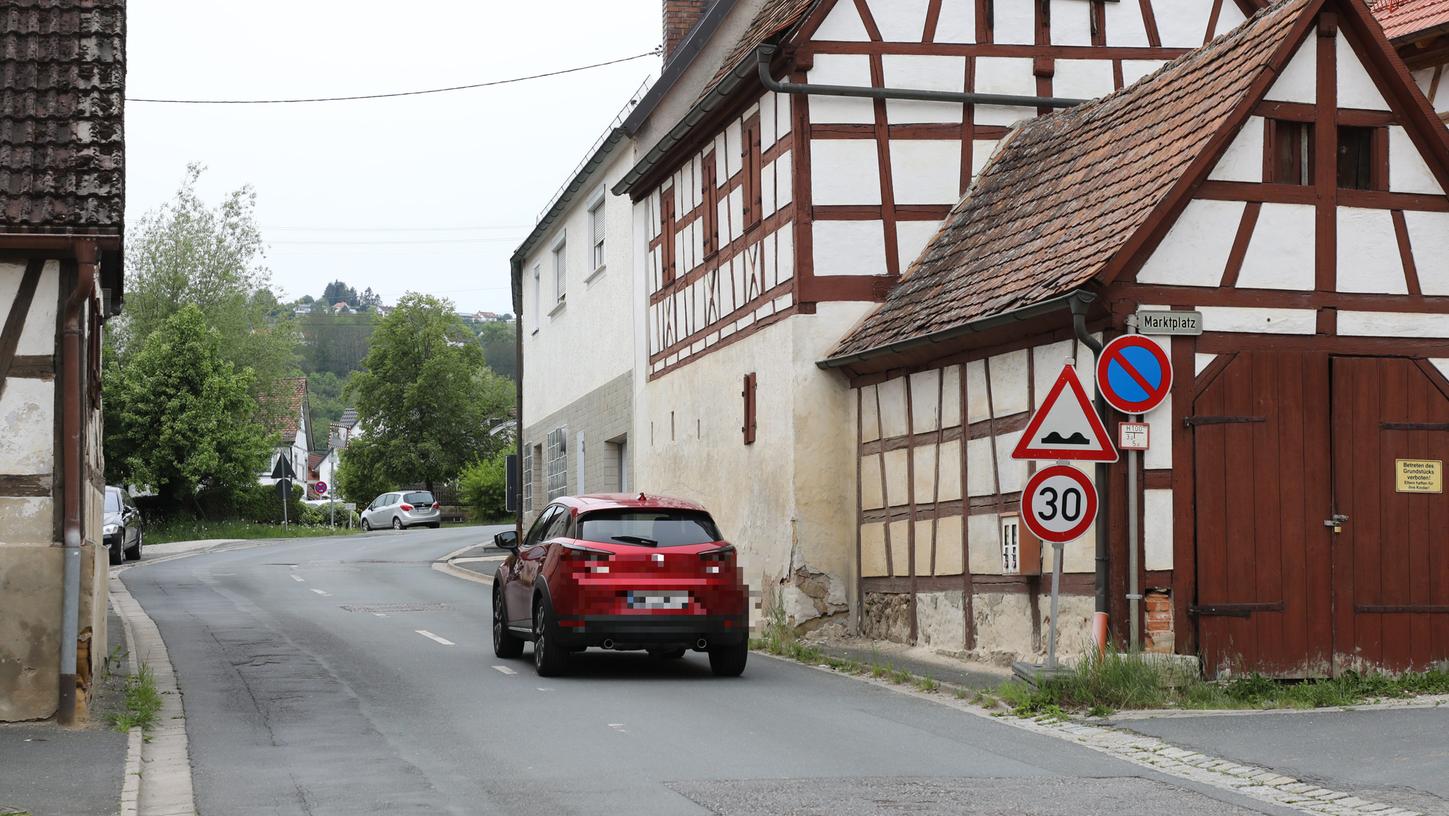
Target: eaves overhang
{"x":683,"y":57}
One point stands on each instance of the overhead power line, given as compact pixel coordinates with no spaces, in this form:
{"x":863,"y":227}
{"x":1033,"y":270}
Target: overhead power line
{"x":395,"y":94}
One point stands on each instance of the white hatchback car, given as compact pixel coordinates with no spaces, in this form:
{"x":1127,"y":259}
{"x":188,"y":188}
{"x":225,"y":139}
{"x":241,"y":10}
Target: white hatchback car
{"x":401,"y":510}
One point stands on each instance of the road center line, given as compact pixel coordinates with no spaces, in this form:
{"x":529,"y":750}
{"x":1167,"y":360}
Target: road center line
{"x":299,"y":579}
{"x":430,"y":636}
{"x":504,"y":670}
{"x":379,"y":614}
{"x":322,"y":593}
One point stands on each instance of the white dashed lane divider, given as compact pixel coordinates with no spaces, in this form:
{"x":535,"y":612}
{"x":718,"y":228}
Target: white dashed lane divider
{"x":504,"y":670}
{"x":439,"y":640}
{"x":299,"y":579}
{"x":323,"y":593}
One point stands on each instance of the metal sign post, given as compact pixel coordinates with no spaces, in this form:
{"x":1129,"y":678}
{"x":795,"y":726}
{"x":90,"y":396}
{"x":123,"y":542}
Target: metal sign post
{"x":1058,"y":504}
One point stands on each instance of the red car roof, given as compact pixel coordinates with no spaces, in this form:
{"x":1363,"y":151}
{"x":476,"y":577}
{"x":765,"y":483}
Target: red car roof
{"x":617,"y":501}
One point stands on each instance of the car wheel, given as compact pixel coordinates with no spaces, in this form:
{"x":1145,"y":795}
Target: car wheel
{"x":366,"y":528}
{"x":729,"y":661}
{"x":505,"y":643}
{"x":436,"y":525}
{"x":666,"y":654}
{"x":117,"y":555}
{"x":548,"y":659}
{"x":396,"y":523}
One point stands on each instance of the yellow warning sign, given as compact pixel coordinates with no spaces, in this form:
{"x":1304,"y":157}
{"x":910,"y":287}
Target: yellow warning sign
{"x":1419,"y":476}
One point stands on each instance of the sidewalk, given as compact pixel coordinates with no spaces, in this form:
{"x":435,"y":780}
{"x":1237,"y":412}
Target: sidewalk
{"x":47,"y":770}
{"x":917,"y":660}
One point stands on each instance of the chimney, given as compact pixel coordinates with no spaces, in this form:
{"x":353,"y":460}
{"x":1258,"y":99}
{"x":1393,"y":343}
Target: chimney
{"x":679,"y":19}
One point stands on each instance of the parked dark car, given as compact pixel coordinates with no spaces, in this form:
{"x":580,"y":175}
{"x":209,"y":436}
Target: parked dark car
{"x":621,"y":572}
{"x":122,"y":526}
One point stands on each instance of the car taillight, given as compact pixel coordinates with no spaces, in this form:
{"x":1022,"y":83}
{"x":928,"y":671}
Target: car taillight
{"x":406,"y":507}
{"x":716,"y":559}
{"x":435,"y":505}
{"x":593,"y":559}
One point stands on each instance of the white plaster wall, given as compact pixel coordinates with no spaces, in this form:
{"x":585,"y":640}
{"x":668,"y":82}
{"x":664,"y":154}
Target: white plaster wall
{"x":843,"y":23}
{"x":926,"y":172}
{"x":911,"y":239}
{"x":590,"y":336}
{"x":1264,"y":321}
{"x":1005,"y":75}
{"x":1183,"y":25}
{"x":1407,"y":171}
{"x":1134,"y":70}
{"x":1229,"y":18}
{"x":900,"y":20}
{"x":1195,"y":250}
{"x":1392,"y":324}
{"x":1356,"y":89}
{"x":1082,"y":79}
{"x":1071,"y":24}
{"x":1200,"y":362}
{"x":1157,"y":529}
{"x":1299,"y":81}
{"x":27,"y":413}
{"x":849,"y":248}
{"x":844,"y":171}
{"x":840,"y":69}
{"x":1008,"y":383}
{"x":981,"y":150}
{"x":38,"y":336}
{"x":957,"y":23}
{"x":1125,"y":26}
{"x":1243,"y":160}
{"x":1429,"y":238}
{"x":1014,"y":22}
{"x":923,"y":72}
{"x":1368,"y":253}
{"x":1280,"y":253}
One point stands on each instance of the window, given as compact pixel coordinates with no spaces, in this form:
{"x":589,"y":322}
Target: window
{"x":1357,"y":149}
{"x":419,"y":498}
{"x":560,"y":269}
{"x":558,"y":526}
{"x":749,"y":396}
{"x":540,"y":526}
{"x":1290,"y":152}
{"x":557,"y":463}
{"x":528,"y":479}
{"x":666,"y":226}
{"x":597,"y":226}
{"x":649,"y":528}
{"x":754,"y":203}
{"x":1010,"y":545}
{"x":537,"y":296}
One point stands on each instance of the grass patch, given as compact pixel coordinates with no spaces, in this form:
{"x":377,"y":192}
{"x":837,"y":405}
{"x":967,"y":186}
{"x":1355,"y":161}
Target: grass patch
{"x":198,"y":530}
{"x":141,"y":702}
{"x":1114,"y":682}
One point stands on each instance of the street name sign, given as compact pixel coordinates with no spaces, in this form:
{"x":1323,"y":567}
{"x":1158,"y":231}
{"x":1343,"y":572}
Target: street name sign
{"x":1158,"y":322}
{"x":1058,"y":504}
{"x":1134,"y":374}
{"x":1066,"y":426}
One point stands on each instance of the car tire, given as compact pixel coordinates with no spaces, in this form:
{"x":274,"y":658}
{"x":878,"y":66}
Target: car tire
{"x":436,"y":525}
{"x":397,"y":523}
{"x":666,"y":654}
{"x":729,"y":661}
{"x":366,"y":528}
{"x":117,"y":555}
{"x":134,"y":553}
{"x":505,"y":643}
{"x":549,"y":660}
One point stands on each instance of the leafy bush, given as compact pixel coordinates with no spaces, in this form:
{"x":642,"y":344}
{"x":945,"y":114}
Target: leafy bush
{"x":483,"y":488}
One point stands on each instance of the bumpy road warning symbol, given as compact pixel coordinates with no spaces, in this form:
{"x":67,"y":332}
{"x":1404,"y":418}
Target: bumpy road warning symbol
{"x":1066,"y":426}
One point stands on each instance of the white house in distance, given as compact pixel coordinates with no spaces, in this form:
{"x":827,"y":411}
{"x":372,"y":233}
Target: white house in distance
{"x":290,"y":423}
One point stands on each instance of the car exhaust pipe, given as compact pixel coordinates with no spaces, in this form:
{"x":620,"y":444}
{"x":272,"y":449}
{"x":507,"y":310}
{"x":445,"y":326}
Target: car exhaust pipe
{"x":608,"y":643}
{"x":701,"y":644}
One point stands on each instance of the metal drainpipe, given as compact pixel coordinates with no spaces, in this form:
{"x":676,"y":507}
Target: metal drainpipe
{"x":73,"y":453}
{"x":767,"y":53}
{"x":1080,"y":303}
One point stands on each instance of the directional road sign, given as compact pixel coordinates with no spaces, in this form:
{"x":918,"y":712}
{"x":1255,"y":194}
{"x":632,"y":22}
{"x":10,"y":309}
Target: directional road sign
{"x":1058,"y":504}
{"x":1134,"y":374}
{"x":1066,"y":426}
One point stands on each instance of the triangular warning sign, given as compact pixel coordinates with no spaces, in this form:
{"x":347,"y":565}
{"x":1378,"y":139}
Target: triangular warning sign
{"x":1066,"y":426}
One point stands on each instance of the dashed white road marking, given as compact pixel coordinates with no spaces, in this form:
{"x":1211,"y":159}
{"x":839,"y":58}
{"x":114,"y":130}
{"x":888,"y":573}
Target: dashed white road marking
{"x":439,"y":640}
{"x":504,"y":670}
{"x":299,"y":579}
{"x":379,"y":614}
{"x":618,"y":727}
{"x":323,"y":593}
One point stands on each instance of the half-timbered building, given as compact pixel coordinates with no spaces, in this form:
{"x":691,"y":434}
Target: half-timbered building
{"x":772,"y":212}
{"x":1287,"y":182}
{"x":62,"y":206}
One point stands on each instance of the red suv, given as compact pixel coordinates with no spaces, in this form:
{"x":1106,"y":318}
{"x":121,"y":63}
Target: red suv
{"x":621,"y":572}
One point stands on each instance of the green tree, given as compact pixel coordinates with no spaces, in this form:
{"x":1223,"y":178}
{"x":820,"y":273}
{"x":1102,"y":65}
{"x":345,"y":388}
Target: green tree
{"x":362,"y":474}
{"x":499,"y":341}
{"x":483,"y":488}
{"x":324,"y":393}
{"x":179,"y":416}
{"x":337,"y":291}
{"x":189,"y":253}
{"x":425,"y":396}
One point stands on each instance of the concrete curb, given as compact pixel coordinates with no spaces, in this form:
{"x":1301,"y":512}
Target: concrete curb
{"x":163,"y":778}
{"x":445,"y":565}
{"x":131,"y":788}
{"x":1254,"y":782}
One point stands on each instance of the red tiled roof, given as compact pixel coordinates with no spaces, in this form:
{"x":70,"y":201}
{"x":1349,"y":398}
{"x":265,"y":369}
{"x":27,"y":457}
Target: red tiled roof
{"x":774,"y":17}
{"x":1403,"y":18}
{"x":282,"y":409}
{"x":62,"y":85}
{"x":315,"y":459}
{"x":1066,"y":191}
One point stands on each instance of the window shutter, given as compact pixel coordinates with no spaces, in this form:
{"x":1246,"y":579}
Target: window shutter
{"x":749,"y":399}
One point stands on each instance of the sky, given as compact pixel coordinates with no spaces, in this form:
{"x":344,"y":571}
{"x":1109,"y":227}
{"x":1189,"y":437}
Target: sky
{"x":426,"y":193}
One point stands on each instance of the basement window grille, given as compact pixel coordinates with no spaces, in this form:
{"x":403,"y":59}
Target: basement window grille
{"x":528,"y":479}
{"x":557,"y":463}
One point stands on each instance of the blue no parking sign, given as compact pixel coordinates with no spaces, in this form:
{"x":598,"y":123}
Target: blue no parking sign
{"x":1134,"y":374}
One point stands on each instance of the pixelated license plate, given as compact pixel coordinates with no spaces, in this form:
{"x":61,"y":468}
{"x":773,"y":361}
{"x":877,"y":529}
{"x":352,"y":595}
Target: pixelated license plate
{"x":658,"y":600}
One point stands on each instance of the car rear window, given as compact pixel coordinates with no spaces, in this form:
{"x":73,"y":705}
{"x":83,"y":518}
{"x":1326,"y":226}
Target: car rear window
{"x":649,"y":528}
{"x":420,"y":497}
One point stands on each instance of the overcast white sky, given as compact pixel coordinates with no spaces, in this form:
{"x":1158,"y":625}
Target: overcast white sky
{"x":331,"y":177}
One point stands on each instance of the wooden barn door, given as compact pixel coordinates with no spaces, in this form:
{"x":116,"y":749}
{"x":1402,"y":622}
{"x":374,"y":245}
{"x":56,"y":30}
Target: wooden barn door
{"x":1391,"y":558}
{"x":1262,"y":489}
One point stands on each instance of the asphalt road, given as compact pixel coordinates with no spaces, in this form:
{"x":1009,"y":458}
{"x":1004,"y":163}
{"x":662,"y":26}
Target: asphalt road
{"x":345,"y":676}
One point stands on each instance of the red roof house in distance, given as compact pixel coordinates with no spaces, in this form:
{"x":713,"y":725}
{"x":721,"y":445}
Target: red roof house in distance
{"x":1287,"y":182}
{"x":1419,"y":29}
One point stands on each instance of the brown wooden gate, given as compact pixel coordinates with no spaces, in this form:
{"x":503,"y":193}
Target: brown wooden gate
{"x":1284,"y":442}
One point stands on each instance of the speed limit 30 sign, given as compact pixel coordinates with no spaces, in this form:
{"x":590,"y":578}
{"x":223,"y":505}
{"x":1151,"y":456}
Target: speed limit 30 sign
{"x":1059,"y":504}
